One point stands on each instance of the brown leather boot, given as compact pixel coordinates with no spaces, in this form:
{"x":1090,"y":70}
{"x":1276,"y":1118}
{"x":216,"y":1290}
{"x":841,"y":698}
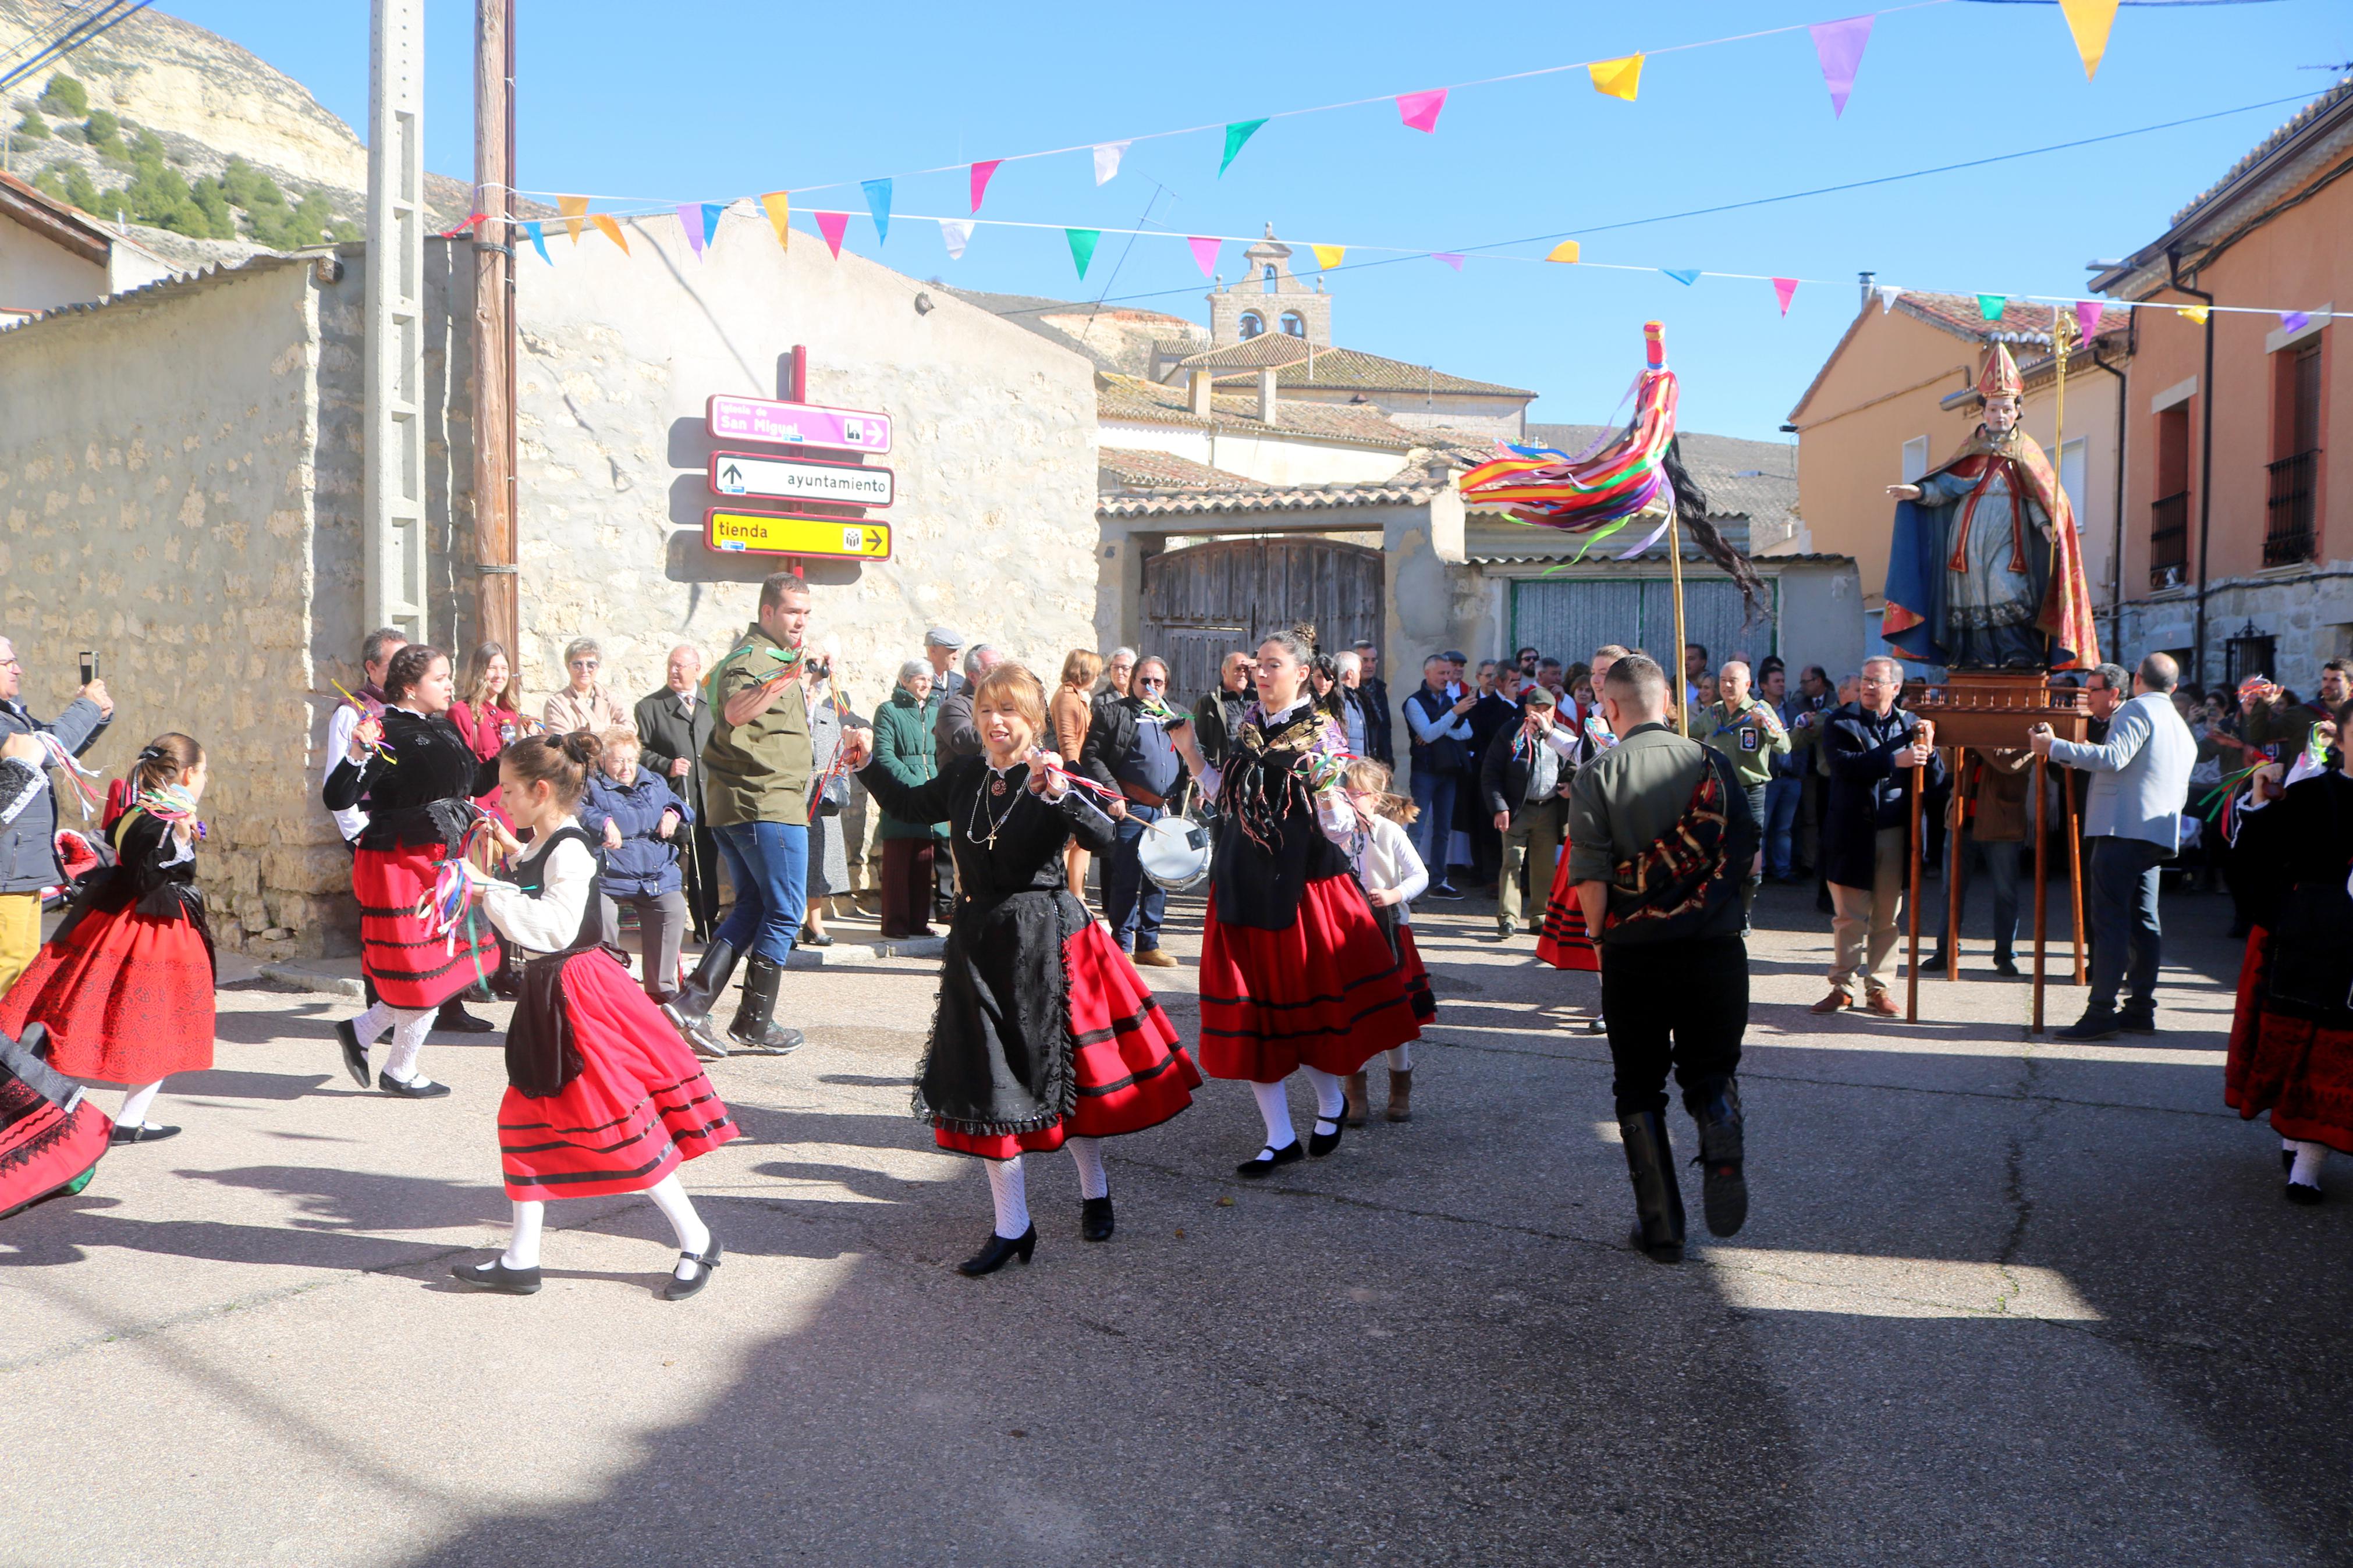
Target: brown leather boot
{"x":1400,"y":1095}
{"x":1359,"y":1106}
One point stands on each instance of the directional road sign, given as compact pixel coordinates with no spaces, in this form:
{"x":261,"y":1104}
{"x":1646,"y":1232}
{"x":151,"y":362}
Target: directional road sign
{"x":797,"y":424}
{"x":788,"y":534}
{"x":799,"y":478}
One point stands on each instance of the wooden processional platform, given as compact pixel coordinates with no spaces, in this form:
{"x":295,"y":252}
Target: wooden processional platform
{"x":1994,"y":711}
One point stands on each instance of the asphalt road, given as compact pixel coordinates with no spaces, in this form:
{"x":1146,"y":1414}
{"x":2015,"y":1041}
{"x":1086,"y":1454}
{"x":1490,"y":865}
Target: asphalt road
{"x":1999,"y":1301}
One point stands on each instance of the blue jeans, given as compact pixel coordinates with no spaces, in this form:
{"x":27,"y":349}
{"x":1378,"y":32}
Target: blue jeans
{"x":1433,"y":830}
{"x":1132,"y":903}
{"x":768,"y":863}
{"x":1782,"y":797}
{"x":2000,"y":863}
{"x":2124,"y":931}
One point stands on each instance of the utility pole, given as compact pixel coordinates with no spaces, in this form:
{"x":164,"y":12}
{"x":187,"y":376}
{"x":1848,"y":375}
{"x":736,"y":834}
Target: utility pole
{"x":392,"y":523}
{"x":494,"y":328}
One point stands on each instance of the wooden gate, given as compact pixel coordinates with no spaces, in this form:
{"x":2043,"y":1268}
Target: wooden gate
{"x":1202,"y":603}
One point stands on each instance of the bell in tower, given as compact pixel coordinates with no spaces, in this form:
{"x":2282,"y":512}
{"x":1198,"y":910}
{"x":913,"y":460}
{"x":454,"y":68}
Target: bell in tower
{"x":1269,"y":298}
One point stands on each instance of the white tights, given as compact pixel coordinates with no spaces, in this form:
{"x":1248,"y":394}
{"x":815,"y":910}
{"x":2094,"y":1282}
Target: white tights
{"x":408,"y":1029}
{"x":2309,"y":1157}
{"x":135,"y":1102}
{"x":1274,"y":1106}
{"x":1401,"y":1058}
{"x":668,"y":1195}
{"x":1008,"y":1188}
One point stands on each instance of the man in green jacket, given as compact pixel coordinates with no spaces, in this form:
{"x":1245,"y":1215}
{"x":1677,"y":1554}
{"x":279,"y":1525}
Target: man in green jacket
{"x":1749,"y":734}
{"x":757,"y":767}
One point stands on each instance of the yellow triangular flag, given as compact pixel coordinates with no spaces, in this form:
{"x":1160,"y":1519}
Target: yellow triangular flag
{"x":1327,"y":257}
{"x":2197,"y":313}
{"x":1622,"y":77}
{"x":2090,"y":20}
{"x":1565,"y":251}
{"x":611,"y":230}
{"x":572,"y":208}
{"x":780,"y":215}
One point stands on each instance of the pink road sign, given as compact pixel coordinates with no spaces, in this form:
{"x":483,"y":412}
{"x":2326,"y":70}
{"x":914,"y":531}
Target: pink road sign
{"x":797,"y":424}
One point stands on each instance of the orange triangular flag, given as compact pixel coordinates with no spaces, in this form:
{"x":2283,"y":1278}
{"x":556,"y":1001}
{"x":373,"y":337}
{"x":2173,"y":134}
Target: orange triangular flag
{"x":780,"y":215}
{"x":2090,"y":20}
{"x":572,"y":207}
{"x":1567,"y":251}
{"x":1623,"y":76}
{"x":611,"y":230}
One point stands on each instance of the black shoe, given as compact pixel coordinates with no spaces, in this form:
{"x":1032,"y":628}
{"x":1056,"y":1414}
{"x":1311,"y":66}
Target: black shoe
{"x":813,"y":938}
{"x":706,"y":1260}
{"x":1094,"y":1220}
{"x":1658,"y":1200}
{"x":419,"y":1088}
{"x":690,"y":1013}
{"x":1934,"y":964}
{"x":754,"y":1032}
{"x":1597,"y":1025}
{"x":1445,"y":891}
{"x":999,"y":1252}
{"x":2136,"y":1023}
{"x":141,"y":1134}
{"x":1268,"y":1158}
{"x":496,"y":1276}
{"x":354,"y":1053}
{"x":2006,"y":967}
{"x":454,"y":1018}
{"x":2298,"y":1192}
{"x":1724,"y":1186}
{"x":2090,"y":1027}
{"x":1321,"y":1143}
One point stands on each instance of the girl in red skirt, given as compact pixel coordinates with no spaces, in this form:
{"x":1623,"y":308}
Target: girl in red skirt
{"x":602,"y":1094}
{"x":2292,"y":1035}
{"x":1045,"y":1036}
{"x":1295,"y":974}
{"x":420,"y":778}
{"x":125,"y":986}
{"x":1392,"y":874}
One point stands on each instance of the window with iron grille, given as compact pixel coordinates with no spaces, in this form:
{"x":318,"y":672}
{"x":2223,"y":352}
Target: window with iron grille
{"x":2290,"y":525}
{"x":2169,"y":522}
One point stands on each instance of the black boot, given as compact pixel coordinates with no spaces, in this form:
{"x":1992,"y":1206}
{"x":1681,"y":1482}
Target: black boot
{"x":1657,"y":1202}
{"x":754,"y":1032}
{"x":690,"y":1011}
{"x":1723,"y":1188}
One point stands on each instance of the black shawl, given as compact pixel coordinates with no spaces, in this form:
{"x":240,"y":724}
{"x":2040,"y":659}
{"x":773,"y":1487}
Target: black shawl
{"x":1269,"y":847}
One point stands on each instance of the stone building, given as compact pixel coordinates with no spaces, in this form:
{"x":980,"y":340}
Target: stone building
{"x":180,"y":473}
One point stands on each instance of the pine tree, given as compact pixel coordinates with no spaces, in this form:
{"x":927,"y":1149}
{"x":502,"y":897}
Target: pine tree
{"x":32,"y":127}
{"x":64,"y":98}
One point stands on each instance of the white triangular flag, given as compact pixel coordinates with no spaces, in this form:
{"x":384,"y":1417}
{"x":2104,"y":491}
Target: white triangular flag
{"x":1107,"y":157}
{"x":955,"y":233}
{"x":1887,"y":293}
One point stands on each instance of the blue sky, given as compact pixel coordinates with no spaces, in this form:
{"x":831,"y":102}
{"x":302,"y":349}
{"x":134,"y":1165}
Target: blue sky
{"x":704,"y":102}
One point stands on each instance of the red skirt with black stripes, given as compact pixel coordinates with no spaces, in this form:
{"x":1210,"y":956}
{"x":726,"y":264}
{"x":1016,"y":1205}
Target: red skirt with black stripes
{"x":1416,"y":977}
{"x":1132,"y":1073}
{"x":411,"y":967}
{"x":641,"y":1107}
{"x":1325,"y":992}
{"x":1562,"y":940}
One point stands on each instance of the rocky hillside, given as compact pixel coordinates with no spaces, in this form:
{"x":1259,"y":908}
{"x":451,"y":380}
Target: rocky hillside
{"x":176,"y":108}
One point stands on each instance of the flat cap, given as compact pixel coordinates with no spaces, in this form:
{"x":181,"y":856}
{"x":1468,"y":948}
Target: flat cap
{"x":940,"y":636}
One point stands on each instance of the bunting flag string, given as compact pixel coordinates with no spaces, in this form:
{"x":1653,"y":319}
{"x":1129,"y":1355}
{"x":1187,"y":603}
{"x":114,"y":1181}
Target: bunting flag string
{"x":878,"y":202}
{"x":832,"y":225}
{"x":956,"y":234}
{"x":1082,"y":245}
{"x":779,"y":205}
{"x":574,"y":209}
{"x":1107,"y":157}
{"x":1240,"y":132}
{"x":2088,"y":22}
{"x":691,"y":223}
{"x":2087,"y":318}
{"x":538,"y":233}
{"x":1205,"y":252}
{"x":1447,"y":256}
{"x":1419,"y":110}
{"x":1785,"y":289}
{"x":1838,"y":46}
{"x":1567,"y":251}
{"x":1328,"y":257}
{"x":1991,"y":306}
{"x":610,"y":229}
{"x":981,"y":174}
{"x":1619,"y":77}
{"x":1888,"y":294}
{"x":1686,"y":276}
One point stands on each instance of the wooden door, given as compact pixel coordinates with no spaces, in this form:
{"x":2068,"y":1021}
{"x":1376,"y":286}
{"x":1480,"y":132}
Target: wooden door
{"x":1203,"y":602}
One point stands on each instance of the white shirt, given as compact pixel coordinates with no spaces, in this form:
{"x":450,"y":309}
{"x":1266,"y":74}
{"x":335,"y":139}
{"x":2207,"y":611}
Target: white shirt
{"x":351,"y":822}
{"x":546,"y":924}
{"x":1385,"y":858}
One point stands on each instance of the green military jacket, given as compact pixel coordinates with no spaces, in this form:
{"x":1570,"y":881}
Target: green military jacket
{"x":759,"y":771}
{"x":1751,"y":738}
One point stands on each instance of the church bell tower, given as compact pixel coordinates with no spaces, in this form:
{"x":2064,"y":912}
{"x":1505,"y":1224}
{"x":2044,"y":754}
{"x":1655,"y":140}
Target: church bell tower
{"x":1268,"y":299}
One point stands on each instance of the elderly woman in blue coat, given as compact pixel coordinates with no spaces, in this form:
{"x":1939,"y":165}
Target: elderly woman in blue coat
{"x":636,"y":823}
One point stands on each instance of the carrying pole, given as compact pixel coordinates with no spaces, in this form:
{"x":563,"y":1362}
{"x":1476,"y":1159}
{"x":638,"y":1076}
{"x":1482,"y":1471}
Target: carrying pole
{"x":1675,"y":575}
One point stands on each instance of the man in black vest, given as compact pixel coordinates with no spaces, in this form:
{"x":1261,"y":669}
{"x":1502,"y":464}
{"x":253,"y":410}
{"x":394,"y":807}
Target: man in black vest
{"x":1376,"y":693}
{"x":1442,"y":759}
{"x":1219,"y":713}
{"x":1128,"y":749}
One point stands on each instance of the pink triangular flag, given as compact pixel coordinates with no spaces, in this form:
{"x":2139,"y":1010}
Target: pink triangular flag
{"x":1205,"y":252}
{"x":689,"y":219}
{"x":833,"y":226}
{"x":980,"y":177}
{"x":1419,"y":110}
{"x":1839,"y":46}
{"x":1785,"y":289}
{"x":1449,"y":257}
{"x":2087,"y":317}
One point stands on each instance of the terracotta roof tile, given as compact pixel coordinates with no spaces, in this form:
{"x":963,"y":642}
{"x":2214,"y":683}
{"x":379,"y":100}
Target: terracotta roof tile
{"x":1269,"y":497}
{"x":1138,"y":469}
{"x":1301,"y":363}
{"x":2021,"y":321}
{"x":2270,"y":144}
{"x":1133,"y":398}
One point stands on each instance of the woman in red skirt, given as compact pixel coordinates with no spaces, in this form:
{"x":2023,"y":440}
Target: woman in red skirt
{"x":2292,"y":1035}
{"x":125,"y":986}
{"x":602,"y":1095}
{"x":1046,"y":1037}
{"x":1295,"y":973}
{"x":420,"y":778}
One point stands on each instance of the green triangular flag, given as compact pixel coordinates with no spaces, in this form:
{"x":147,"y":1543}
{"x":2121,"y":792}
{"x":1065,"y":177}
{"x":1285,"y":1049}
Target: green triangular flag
{"x":1240,"y":132}
{"x":1082,"y":245}
{"x":1991,"y":306}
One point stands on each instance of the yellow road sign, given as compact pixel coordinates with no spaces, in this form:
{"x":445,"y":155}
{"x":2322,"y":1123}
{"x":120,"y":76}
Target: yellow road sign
{"x":787,"y":533}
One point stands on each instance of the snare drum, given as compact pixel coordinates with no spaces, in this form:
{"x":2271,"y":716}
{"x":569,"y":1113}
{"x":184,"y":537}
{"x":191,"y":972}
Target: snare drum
{"x":1174,"y":853}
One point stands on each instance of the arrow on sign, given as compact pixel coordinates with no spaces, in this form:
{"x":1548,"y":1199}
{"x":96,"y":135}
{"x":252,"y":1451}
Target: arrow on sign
{"x":873,"y":539}
{"x":734,"y":476}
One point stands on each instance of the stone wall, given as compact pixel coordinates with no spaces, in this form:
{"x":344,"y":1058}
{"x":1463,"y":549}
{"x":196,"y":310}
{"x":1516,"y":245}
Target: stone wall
{"x":2308,"y":611}
{"x":993,"y":451}
{"x":156,"y":475}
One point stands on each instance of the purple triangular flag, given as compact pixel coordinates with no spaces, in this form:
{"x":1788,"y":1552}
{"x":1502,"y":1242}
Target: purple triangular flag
{"x":1839,"y":46}
{"x":689,"y":222}
{"x":2087,"y":318}
{"x":2294,"y":321}
{"x":1447,"y":256}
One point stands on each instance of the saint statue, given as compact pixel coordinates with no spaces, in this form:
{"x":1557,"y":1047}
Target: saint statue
{"x":1985,"y":571}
